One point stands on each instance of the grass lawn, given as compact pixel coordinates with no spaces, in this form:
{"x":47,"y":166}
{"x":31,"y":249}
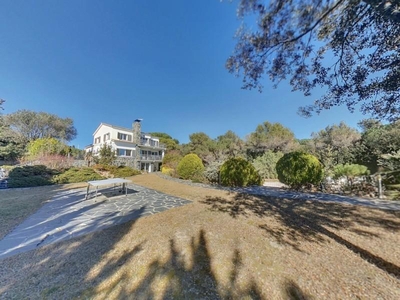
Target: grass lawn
{"x":221,"y":246}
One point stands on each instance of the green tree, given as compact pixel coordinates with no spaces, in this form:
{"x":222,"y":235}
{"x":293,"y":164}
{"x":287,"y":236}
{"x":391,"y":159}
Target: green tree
{"x":350,"y":47}
{"x":46,"y":146}
{"x":228,"y":145}
{"x":203,"y":146}
{"x":11,"y":147}
{"x":334,"y":145}
{"x":169,"y":142}
{"x":270,"y":136}
{"x":265,"y":165}
{"x":107,"y":155}
{"x":30,"y":125}
{"x":376,"y":140}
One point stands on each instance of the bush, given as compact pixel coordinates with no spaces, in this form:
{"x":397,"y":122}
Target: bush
{"x":124,"y":171}
{"x":167,"y":171}
{"x":190,"y":167}
{"x":239,"y":172}
{"x":265,"y":165}
{"x":349,"y":170}
{"x":211,"y":173}
{"x":29,"y":176}
{"x":107,"y":155}
{"x":297,"y":169}
{"x":77,"y":175}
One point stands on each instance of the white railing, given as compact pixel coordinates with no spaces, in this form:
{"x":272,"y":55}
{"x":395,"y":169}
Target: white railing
{"x":151,"y":157}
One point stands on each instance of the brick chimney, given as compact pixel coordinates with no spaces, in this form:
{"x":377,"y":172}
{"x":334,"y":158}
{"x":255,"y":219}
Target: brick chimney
{"x":137,"y":131}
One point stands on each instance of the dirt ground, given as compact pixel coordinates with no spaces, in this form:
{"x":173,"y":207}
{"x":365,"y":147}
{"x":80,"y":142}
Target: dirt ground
{"x":221,"y":246}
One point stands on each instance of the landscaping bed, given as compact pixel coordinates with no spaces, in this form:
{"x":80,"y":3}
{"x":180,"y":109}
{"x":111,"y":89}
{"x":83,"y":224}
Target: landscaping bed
{"x":223,"y":245}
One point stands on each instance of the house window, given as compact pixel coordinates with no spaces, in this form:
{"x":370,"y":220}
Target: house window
{"x":97,"y":140}
{"x":106,"y":137}
{"x":124,"y":136}
{"x":124,"y":152}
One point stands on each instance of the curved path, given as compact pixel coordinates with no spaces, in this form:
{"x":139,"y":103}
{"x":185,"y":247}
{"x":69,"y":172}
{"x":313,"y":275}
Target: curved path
{"x":69,"y":215}
{"x":283,"y":193}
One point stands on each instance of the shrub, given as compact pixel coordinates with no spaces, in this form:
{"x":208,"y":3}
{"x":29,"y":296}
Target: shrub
{"x":211,"y":173}
{"x":350,"y":170}
{"x":167,"y":171}
{"x":265,"y":165}
{"x":297,"y":169}
{"x":190,"y":167}
{"x":123,"y":171}
{"x":77,"y":175}
{"x":107,"y":155}
{"x":239,"y":172}
{"x":29,"y":176}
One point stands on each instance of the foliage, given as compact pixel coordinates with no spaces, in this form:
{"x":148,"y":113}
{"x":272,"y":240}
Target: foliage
{"x":239,"y":172}
{"x":107,"y":155}
{"x":123,"y":171}
{"x":270,"y":136}
{"x":297,"y":169}
{"x":377,"y":140}
{"x":350,"y":170}
{"x":31,"y":125}
{"x":11,"y":147}
{"x":334,"y":145}
{"x":201,"y":145}
{"x":29,"y":176}
{"x":169,"y":142}
{"x":212,"y":170}
{"x":190,"y":167}
{"x":228,"y":145}
{"x":265,"y":165}
{"x":171,"y":159}
{"x":168,"y":171}
{"x":349,"y":47}
{"x":77,"y":175}
{"x":46,"y":146}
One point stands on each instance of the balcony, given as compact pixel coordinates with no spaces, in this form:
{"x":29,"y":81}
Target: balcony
{"x":152,"y":145}
{"x":150,"y":157}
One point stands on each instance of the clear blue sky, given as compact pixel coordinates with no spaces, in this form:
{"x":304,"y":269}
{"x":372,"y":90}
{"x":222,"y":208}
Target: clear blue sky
{"x":115,"y":61}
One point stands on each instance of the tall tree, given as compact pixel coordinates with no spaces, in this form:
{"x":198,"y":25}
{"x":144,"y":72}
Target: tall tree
{"x":228,"y":145}
{"x":11,"y":147}
{"x":349,"y":47}
{"x":31,"y":125}
{"x":334,"y":145}
{"x":376,"y":140}
{"x":270,"y":136}
{"x":169,"y":142}
{"x":202,"y":145}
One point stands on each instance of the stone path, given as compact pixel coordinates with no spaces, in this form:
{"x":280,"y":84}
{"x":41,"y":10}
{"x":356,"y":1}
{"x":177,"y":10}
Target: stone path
{"x":69,"y":215}
{"x":283,"y":193}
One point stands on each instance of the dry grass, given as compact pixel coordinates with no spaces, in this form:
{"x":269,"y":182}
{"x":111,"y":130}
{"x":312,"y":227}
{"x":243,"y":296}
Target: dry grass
{"x":222,"y":245}
{"x":17,"y":204}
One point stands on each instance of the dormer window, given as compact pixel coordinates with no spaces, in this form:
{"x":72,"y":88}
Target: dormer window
{"x":124,"y":137}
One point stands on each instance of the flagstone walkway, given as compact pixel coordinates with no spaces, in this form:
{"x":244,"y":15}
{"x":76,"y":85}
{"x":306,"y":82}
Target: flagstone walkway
{"x":69,"y":215}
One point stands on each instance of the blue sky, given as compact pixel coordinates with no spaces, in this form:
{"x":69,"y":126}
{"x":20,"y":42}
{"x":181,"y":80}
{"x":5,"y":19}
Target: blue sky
{"x":163,"y":61}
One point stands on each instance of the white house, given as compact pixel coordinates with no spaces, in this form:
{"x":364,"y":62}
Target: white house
{"x":132,"y":147}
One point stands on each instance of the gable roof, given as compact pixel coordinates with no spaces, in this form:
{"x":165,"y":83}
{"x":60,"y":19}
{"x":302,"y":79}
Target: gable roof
{"x":112,"y":126}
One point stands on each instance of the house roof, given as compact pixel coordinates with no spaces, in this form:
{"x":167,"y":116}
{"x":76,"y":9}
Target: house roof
{"x":121,"y":128}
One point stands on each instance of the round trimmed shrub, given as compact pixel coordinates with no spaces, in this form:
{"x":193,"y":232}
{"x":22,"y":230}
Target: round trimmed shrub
{"x":239,"y":172}
{"x":190,"y":167}
{"x":297,"y":169}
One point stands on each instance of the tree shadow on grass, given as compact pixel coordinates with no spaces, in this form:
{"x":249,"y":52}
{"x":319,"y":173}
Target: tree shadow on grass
{"x":311,"y":221}
{"x":185,"y":276}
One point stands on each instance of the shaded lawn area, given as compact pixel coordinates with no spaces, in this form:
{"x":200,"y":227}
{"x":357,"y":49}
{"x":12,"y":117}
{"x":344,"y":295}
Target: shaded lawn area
{"x":221,"y":246}
{"x":19,"y":203}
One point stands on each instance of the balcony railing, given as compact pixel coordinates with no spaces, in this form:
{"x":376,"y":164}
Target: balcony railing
{"x":162,"y":146}
{"x":150,"y":157}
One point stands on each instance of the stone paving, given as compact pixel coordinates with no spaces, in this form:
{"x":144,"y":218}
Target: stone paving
{"x":69,"y":215}
{"x":284,"y":193}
